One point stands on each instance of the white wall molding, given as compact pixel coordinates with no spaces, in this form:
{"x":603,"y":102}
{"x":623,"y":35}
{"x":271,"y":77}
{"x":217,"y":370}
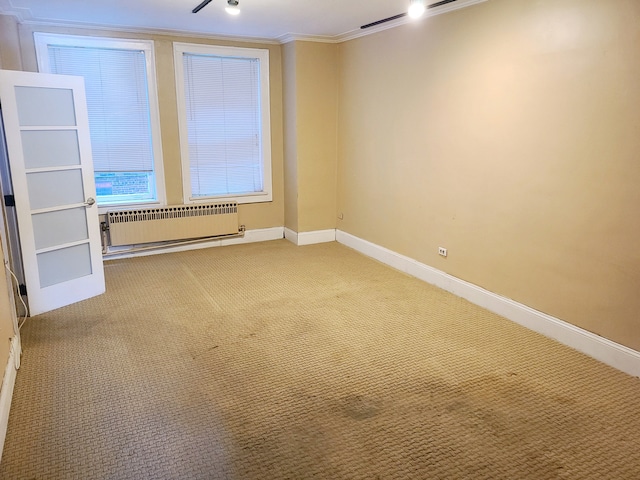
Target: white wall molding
{"x":250,"y":236}
{"x":292,"y":37}
{"x":35,"y":23}
{"x":21,"y":14}
{"x":291,"y":235}
{"x":310,"y":238}
{"x":600,"y":348}
{"x":8,"y":382}
{"x":449,"y":7}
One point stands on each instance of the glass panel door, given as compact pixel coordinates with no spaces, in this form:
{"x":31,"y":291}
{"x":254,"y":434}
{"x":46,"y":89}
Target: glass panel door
{"x":47,"y":135}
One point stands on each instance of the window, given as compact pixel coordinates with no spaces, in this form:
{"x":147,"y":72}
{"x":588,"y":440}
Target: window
{"x":225,"y":139}
{"x":123,"y":113}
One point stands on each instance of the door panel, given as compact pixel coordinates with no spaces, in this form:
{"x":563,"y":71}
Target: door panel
{"x":60,"y":227}
{"x":68,"y":188}
{"x":66,"y":264}
{"x":47,"y":136}
{"x":40,"y":106}
{"x":49,"y":148}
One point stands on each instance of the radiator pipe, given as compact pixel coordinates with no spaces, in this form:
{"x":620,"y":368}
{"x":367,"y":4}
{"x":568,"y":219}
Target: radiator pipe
{"x":103,"y":236}
{"x":240,"y":234}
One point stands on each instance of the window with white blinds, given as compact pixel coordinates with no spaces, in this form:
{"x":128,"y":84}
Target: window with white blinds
{"x":119,"y":81}
{"x":223,"y":97}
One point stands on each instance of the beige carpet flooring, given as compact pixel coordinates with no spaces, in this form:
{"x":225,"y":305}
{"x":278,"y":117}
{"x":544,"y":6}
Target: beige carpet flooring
{"x":270,"y":361}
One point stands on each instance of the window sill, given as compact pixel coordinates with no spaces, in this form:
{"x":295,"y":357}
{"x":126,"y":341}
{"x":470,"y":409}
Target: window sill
{"x":103,"y":209}
{"x":261,"y":197}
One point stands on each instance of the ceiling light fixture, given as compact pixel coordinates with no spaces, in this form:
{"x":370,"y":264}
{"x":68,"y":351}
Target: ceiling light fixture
{"x":416,"y":8}
{"x":232,"y":8}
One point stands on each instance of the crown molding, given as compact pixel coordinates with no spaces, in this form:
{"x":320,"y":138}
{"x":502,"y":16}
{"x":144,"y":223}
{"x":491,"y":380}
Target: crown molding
{"x":21,"y":14}
{"x":353,"y":34}
{"x":151,"y":31}
{"x":293,"y":37}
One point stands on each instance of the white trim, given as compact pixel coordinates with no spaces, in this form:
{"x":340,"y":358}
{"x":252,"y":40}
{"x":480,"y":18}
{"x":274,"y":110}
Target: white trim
{"x":611,"y":353}
{"x":103,"y":210}
{"x":253,"y":236}
{"x":145,"y":30}
{"x":6,"y":394}
{"x":404,"y":20}
{"x":292,"y":37}
{"x":21,"y":14}
{"x":310,"y":238}
{"x":250,"y":236}
{"x":291,"y":235}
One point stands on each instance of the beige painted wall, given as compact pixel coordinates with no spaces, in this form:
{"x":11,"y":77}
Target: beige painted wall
{"x":289,"y":79}
{"x":509,"y":133}
{"x":253,"y":216}
{"x":317,"y":77}
{"x":9,"y":60}
{"x":311,"y":77}
{"x":6,"y":317}
{"x":9,"y":44}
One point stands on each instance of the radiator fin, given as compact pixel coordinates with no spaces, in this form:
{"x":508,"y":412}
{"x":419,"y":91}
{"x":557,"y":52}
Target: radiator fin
{"x":180,"y":222}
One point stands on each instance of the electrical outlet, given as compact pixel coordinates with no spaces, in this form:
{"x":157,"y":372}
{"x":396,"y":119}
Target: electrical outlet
{"x":442,"y":251}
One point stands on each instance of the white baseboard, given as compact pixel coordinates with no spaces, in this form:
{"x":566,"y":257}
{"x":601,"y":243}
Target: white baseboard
{"x":600,"y":348}
{"x":310,"y":238}
{"x":250,"y":236}
{"x":291,"y":235}
{"x":6,"y":394}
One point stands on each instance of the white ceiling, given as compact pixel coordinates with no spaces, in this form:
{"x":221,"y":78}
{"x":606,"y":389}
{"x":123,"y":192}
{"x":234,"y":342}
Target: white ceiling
{"x":268,"y":19}
{"x":264,"y":19}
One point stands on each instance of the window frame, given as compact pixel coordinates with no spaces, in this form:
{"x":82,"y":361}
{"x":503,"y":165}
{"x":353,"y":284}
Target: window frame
{"x":43,"y":40}
{"x":262,"y":55}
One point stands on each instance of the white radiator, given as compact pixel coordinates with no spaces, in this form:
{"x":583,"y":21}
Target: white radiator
{"x":180,"y":222}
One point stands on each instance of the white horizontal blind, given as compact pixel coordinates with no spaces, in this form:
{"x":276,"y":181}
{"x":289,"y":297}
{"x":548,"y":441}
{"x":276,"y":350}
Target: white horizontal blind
{"x":117,"y":102}
{"x":223,"y":123}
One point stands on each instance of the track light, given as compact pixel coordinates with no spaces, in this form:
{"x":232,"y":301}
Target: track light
{"x":416,"y":8}
{"x":232,"y":8}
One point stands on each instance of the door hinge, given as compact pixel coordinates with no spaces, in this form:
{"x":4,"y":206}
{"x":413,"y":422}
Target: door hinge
{"x":22,"y":289}
{"x":9,"y":201}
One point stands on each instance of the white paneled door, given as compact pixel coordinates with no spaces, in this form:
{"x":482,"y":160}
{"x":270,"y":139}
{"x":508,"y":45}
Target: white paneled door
{"x":47,"y":136}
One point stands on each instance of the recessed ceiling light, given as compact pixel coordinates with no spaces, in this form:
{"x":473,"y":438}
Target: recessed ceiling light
{"x":416,"y":8}
{"x":232,"y":8}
